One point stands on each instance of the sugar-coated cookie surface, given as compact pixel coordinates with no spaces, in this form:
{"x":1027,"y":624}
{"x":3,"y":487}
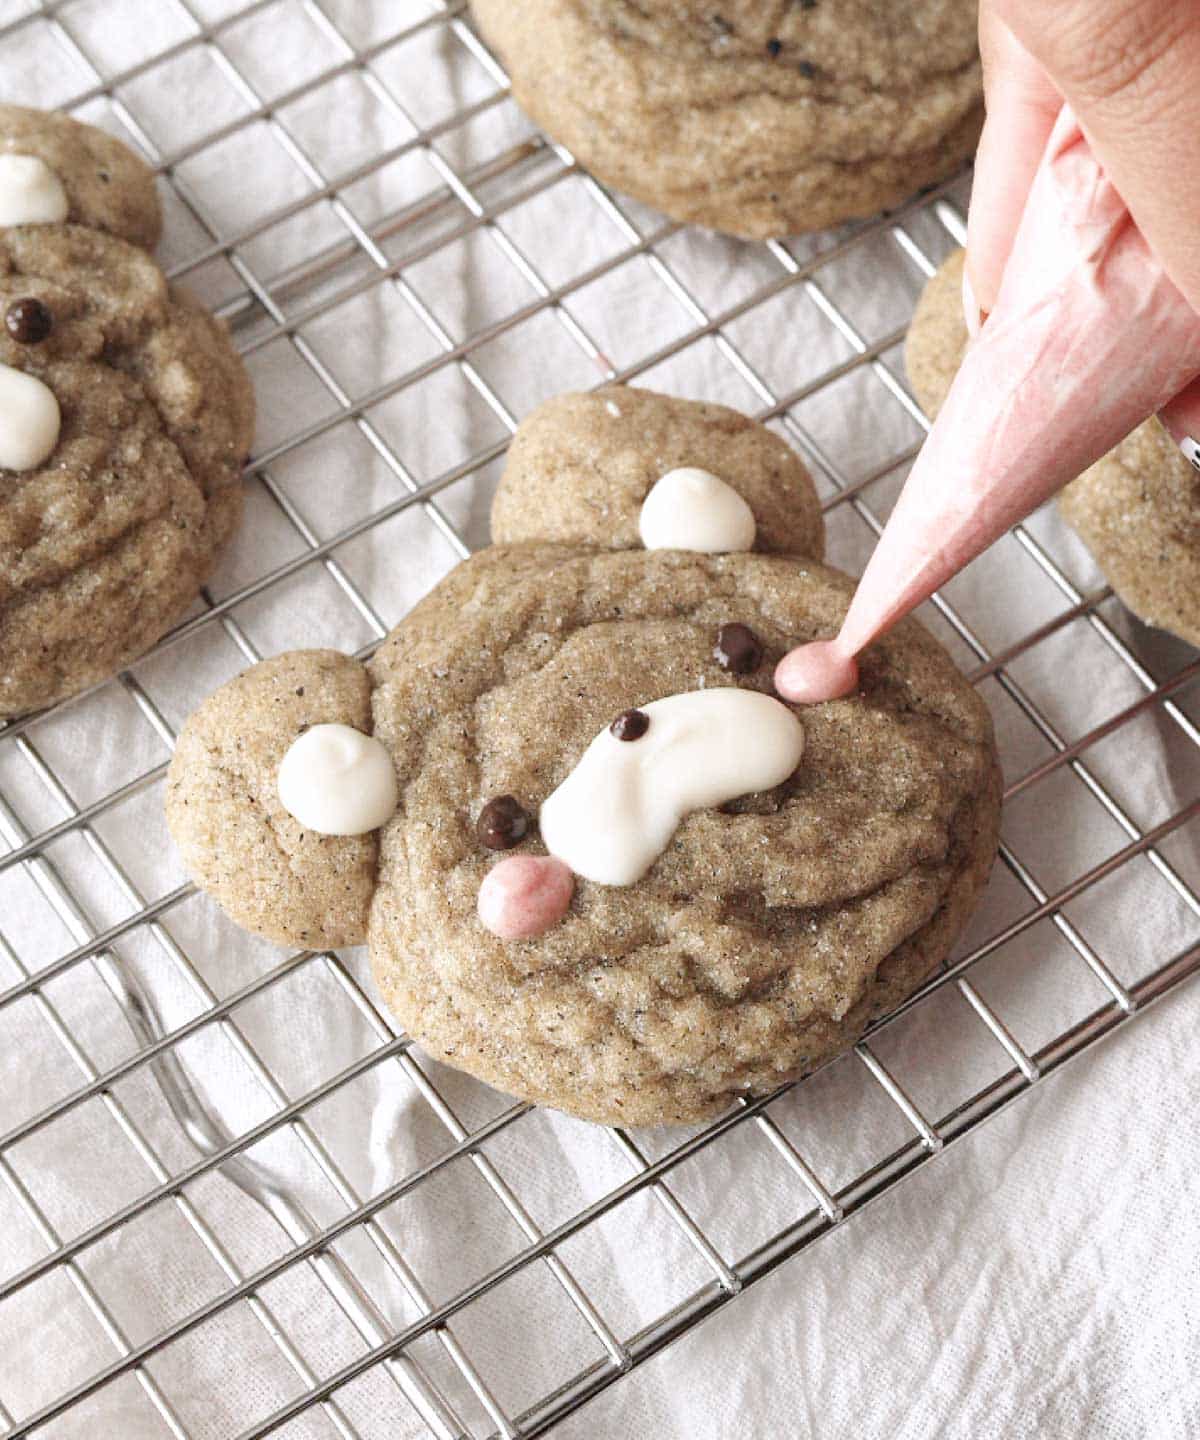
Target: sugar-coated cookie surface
{"x":768,"y":933}
{"x":106,"y":543}
{"x":1138,"y":509}
{"x":753,"y":939}
{"x":107,"y":186}
{"x":759,"y":120}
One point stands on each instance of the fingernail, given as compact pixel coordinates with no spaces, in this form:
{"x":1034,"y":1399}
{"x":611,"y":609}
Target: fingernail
{"x":971,"y":309}
{"x":1191,"y":451}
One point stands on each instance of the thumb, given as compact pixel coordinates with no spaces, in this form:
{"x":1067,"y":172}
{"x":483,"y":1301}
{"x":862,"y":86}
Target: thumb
{"x":1022,"y":105}
{"x":1128,"y":69}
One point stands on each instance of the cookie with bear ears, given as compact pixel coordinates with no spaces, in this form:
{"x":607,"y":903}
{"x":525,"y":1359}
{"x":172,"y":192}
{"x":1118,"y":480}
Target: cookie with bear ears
{"x":125,"y":417}
{"x":1137,"y":509}
{"x":597,"y":862}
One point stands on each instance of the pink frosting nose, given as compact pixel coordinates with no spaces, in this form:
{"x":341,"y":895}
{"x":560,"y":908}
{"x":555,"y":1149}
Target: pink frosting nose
{"x":816,"y":672}
{"x":525,"y":895}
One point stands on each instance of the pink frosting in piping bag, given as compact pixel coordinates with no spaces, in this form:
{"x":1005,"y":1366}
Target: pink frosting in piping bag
{"x":1088,"y":338}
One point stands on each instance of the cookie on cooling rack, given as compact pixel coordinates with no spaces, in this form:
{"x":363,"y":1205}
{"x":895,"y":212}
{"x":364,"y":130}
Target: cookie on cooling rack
{"x":1137,"y":509}
{"x":598,"y":863}
{"x":758,"y":120}
{"x":125,"y":418}
{"x":55,"y":169}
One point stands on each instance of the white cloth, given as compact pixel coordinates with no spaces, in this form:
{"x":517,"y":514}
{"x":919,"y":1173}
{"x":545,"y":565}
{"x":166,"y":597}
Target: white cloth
{"x":1038,"y":1279}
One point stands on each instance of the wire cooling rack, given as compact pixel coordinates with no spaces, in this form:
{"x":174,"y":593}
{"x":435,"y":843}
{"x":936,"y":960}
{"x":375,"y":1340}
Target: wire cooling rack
{"x":441,"y":210}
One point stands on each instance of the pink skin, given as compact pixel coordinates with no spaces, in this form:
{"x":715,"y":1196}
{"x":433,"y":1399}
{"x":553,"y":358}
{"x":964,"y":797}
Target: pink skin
{"x":1088,"y":338}
{"x":523,"y":896}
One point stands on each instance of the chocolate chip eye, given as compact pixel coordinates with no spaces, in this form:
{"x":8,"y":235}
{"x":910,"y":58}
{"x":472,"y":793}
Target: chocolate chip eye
{"x":738,"y":649}
{"x":630,"y":725}
{"x":502,"y":823}
{"x":28,"y":321}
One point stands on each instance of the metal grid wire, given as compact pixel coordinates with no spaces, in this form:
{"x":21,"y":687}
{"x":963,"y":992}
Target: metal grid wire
{"x":273,"y":302}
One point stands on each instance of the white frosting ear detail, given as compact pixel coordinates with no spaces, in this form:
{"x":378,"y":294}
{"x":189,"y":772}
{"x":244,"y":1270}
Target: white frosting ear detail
{"x":337,"y":781}
{"x":30,"y":192}
{"x":615,"y":813}
{"x":29,"y":420}
{"x":693,"y":510}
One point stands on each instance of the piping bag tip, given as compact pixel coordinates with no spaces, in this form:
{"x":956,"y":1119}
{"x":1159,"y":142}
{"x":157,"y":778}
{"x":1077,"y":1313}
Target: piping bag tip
{"x":1087,"y":338}
{"x":813,"y":673}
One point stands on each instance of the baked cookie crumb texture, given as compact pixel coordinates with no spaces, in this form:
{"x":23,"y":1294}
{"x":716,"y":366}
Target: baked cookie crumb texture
{"x":1137,"y":509}
{"x":125,"y":417}
{"x":759,"y":120}
{"x":621,"y":877}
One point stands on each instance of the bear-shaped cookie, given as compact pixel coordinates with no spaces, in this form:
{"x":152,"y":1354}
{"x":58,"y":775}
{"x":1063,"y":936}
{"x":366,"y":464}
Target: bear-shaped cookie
{"x":125,"y":416}
{"x":598,"y":863}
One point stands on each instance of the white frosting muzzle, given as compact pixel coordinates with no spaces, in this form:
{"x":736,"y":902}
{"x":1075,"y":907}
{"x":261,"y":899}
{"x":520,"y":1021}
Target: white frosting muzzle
{"x":337,"y":781}
{"x":694,"y":510}
{"x":30,"y":420}
{"x":30,"y":192}
{"x":615,"y":813}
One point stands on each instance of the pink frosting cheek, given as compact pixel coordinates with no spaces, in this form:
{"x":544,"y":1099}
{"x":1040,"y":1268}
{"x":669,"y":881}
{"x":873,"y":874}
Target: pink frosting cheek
{"x":524,"y":896}
{"x":813,"y":673}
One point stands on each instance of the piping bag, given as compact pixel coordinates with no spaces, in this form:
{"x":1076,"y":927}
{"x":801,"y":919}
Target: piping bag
{"x":1087,"y":338}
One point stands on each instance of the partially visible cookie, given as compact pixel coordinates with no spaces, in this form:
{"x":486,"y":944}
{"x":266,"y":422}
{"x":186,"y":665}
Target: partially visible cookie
{"x":106,"y":538}
{"x":1138,"y":509}
{"x":759,"y":120}
{"x":580,"y":467}
{"x":107,"y":186}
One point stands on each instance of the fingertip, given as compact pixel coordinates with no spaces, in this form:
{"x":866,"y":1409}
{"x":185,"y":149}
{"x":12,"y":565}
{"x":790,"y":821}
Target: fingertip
{"x":1182,"y":420}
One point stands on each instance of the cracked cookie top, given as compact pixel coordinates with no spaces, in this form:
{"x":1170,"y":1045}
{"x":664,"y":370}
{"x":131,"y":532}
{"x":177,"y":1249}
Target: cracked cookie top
{"x":757,"y":939}
{"x":757,"y":119}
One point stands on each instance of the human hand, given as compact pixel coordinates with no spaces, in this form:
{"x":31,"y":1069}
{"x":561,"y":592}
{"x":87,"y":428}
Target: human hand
{"x":1129,"y":69}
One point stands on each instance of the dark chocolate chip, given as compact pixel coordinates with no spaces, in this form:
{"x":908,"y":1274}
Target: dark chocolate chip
{"x":774,"y":47}
{"x":630,"y":725}
{"x":738,"y":649}
{"x":28,"y":321}
{"x":807,"y":69}
{"x":502,"y":823}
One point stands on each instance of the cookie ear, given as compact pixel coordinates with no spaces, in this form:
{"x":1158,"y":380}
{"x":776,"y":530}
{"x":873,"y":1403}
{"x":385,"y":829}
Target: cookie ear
{"x":271,"y":873}
{"x":107,"y":186}
{"x":580,"y":466}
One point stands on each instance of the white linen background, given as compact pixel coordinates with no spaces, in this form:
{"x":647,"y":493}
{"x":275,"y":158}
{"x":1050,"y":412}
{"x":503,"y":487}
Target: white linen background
{"x":1038,"y":1279}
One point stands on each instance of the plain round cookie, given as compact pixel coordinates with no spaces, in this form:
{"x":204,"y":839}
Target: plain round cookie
{"x":770,"y":931}
{"x":108,"y":187}
{"x":580,"y":466}
{"x":1137,"y":509}
{"x":106,"y":544}
{"x":222,"y":801}
{"x":758,"y":120}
